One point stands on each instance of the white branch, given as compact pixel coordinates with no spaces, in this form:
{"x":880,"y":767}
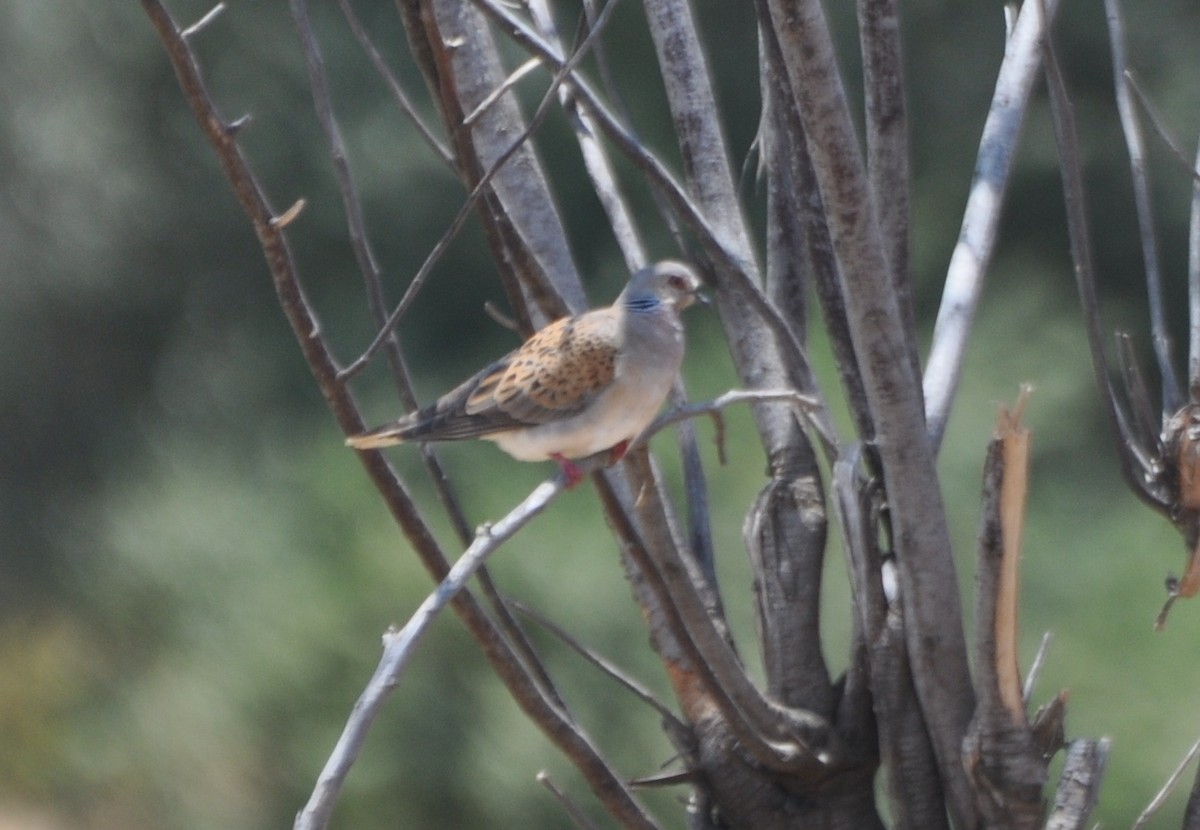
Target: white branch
{"x":400,"y":645}
{"x":977,"y":238}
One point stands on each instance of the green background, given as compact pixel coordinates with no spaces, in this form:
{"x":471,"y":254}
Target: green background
{"x":194,"y":572}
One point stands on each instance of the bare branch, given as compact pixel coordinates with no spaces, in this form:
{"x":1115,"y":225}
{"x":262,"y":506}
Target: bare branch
{"x":594,"y":156}
{"x":203,"y":23}
{"x":981,"y":219}
{"x":1007,"y":768}
{"x":360,"y":242}
{"x":510,"y":82}
{"x":673,"y":724}
{"x":787,"y":148}
{"x":393,"y":85}
{"x":1035,"y":668}
{"x":555,"y":723}
{"x":1194,"y":289}
{"x":804,"y":404}
{"x":1079,"y":785}
{"x":929,"y":589}
{"x":1161,"y":796}
{"x":778,"y":737}
{"x":478,"y":192}
{"x":1136,"y":461}
{"x":917,"y":797}
{"x":566,"y":802}
{"x":399,"y":647}
{"x":1172,"y":398}
{"x":1159,"y":125}
{"x":887,"y":150}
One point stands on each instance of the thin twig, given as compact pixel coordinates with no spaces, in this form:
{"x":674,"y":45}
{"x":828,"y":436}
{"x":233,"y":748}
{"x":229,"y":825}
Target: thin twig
{"x":360,"y":243}
{"x":511,"y":81}
{"x":1160,"y":127}
{"x":464,"y":211}
{"x":1193,"y":267}
{"x":981,"y":218}
{"x":1129,"y":451}
{"x":573,"y":810}
{"x":559,"y":727}
{"x":804,"y":403}
{"x":1172,"y":399}
{"x":1160,"y":798}
{"x":203,"y":22}
{"x":673,"y":723}
{"x":1035,"y":669}
{"x":393,"y":85}
{"x":595,"y":157}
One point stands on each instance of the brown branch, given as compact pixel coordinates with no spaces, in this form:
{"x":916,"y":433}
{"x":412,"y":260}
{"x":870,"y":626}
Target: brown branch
{"x":929,"y":589}
{"x":888,"y":150}
{"x":1172,"y":398}
{"x":1004,"y":763}
{"x":369,"y":267}
{"x":555,"y":723}
{"x":917,"y":798}
{"x":791,"y":180}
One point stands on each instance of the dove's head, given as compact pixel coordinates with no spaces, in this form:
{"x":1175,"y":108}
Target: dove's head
{"x":666,"y":284}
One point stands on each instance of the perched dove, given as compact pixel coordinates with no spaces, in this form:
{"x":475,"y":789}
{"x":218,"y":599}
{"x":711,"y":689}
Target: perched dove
{"x":579,"y":386}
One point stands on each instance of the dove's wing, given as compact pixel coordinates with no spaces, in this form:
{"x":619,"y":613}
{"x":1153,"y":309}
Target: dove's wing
{"x":552,"y":376}
{"x":555,"y":375}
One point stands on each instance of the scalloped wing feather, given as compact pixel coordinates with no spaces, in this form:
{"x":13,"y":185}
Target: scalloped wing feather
{"x":554,"y":375}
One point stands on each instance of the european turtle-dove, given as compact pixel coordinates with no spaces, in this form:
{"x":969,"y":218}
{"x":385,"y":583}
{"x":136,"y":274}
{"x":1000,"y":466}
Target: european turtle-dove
{"x":579,"y":386}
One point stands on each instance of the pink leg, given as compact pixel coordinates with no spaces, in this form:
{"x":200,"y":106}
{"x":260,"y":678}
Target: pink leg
{"x":617,"y":452}
{"x":573,"y":474}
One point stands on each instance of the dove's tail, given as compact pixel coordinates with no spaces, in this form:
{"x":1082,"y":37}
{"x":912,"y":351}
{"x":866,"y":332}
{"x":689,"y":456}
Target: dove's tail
{"x":438,"y":422}
{"x":385,"y":436}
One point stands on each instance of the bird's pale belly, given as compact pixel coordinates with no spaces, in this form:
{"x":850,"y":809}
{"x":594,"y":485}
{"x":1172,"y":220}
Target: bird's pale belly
{"x":619,"y":418}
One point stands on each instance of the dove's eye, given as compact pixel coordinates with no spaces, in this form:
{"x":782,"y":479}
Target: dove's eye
{"x":677,"y":282}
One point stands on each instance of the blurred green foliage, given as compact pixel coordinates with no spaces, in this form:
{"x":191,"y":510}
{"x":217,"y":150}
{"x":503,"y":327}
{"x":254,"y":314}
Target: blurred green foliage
{"x":194,"y":573}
